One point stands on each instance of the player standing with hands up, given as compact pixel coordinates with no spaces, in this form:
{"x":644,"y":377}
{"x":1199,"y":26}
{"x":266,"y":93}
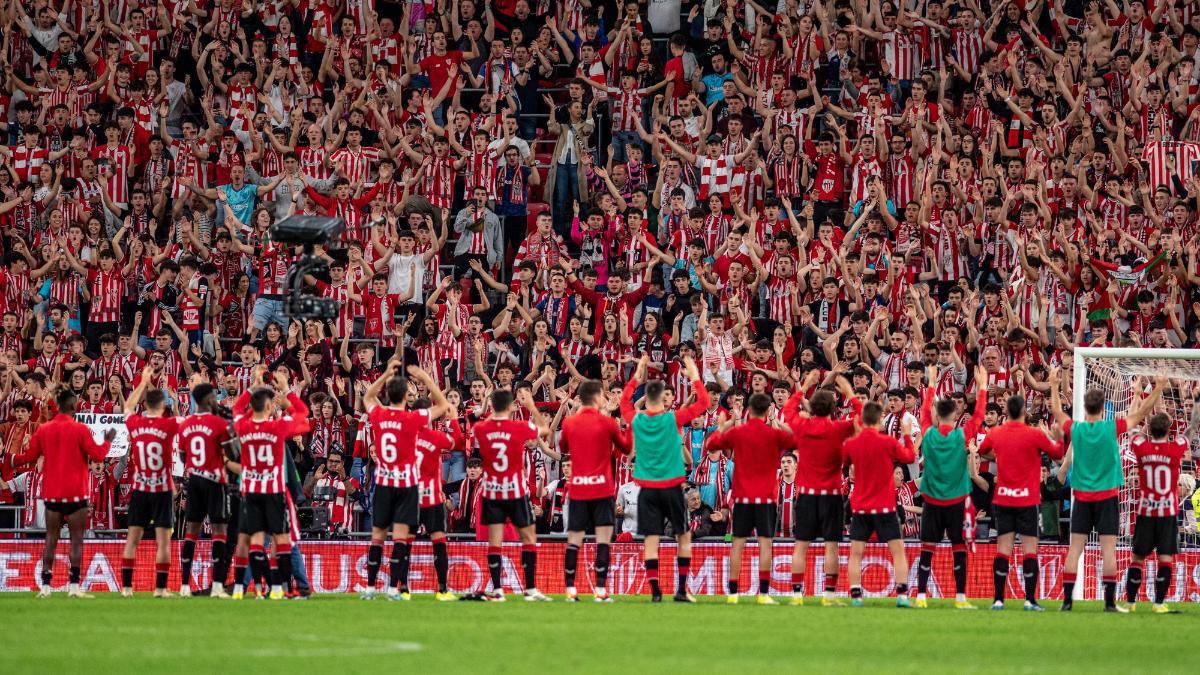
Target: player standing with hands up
{"x":1096,"y":477}
{"x":659,"y":470}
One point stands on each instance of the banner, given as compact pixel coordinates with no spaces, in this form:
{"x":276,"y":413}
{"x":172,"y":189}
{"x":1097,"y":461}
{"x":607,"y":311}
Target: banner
{"x":100,"y":423}
{"x":341,"y":567}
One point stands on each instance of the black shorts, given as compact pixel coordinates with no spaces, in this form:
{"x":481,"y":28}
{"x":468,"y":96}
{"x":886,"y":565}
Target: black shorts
{"x":658,"y":506}
{"x":66,"y":508}
{"x":1103,"y":516}
{"x":585,"y":514}
{"x":206,"y":498}
{"x":885,"y":525}
{"x":433,"y":519}
{"x":151,"y":509}
{"x":1159,"y":534}
{"x":819,"y":517}
{"x":263,"y":513}
{"x":393,"y":505}
{"x":500,"y":511}
{"x":1022,"y":520}
{"x":756,"y":519}
{"x":940,"y":521}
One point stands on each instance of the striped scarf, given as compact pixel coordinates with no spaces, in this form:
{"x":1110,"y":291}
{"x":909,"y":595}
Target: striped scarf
{"x":715,"y":473}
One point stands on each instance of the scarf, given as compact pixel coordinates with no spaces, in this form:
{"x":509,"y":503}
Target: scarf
{"x":715,"y":473}
{"x":510,"y":185}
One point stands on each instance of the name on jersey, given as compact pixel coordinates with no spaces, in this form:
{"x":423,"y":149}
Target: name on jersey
{"x":588,"y":480}
{"x":202,"y":429}
{"x":1012,"y":492}
{"x":1150,"y":502}
{"x":393,"y":474}
{"x":260,"y":436}
{"x":152,"y":431}
{"x":498,"y":436}
{"x":391,"y":424}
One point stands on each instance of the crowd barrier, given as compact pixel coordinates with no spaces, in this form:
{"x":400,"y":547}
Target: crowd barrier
{"x":341,"y":567}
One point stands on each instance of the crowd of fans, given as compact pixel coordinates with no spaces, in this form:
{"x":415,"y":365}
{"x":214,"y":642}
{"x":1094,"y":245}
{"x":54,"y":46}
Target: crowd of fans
{"x":540,"y":192}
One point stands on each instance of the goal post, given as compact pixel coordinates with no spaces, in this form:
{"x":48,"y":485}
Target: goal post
{"x":1125,"y":374}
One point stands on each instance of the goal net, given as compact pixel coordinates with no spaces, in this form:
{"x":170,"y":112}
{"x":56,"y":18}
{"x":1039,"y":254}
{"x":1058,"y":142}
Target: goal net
{"x":1126,"y":376}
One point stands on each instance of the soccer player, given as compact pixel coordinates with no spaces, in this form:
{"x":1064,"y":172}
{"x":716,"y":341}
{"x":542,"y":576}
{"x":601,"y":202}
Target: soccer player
{"x":264,"y":508}
{"x":874,"y":455}
{"x":202,"y":438}
{"x":946,"y":483}
{"x":502,"y":441}
{"x":1095,"y":478}
{"x":431,"y":443}
{"x":592,"y":439}
{"x":1017,"y":449}
{"x":151,"y":442}
{"x":819,"y":440}
{"x":1156,"y":529}
{"x":756,"y":447}
{"x":396,"y":504}
{"x":659,"y":470}
{"x":66,"y":446}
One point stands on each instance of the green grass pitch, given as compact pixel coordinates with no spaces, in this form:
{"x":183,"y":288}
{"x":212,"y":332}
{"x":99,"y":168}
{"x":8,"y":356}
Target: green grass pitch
{"x":346,"y":635}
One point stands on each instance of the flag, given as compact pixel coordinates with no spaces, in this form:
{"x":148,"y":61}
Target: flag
{"x":1122,"y":275}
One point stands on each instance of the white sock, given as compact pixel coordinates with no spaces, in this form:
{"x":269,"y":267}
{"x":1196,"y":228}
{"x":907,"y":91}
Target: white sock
{"x":72,"y":588}
{"x":920,"y":596}
{"x":960,"y":597}
{"x":218,"y":586}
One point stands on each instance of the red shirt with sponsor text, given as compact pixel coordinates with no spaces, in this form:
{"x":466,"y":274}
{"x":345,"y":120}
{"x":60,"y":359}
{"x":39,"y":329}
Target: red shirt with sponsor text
{"x":151,"y":444}
{"x":263,"y":444}
{"x":396,"y":444}
{"x":1018,"y":448}
{"x":592,"y":439}
{"x":502,"y":446}
{"x":430,"y":444}
{"x":200,"y":439}
{"x":1158,"y":475}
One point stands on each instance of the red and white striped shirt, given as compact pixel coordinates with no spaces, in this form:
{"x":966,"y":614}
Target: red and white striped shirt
{"x":1184,"y":153}
{"x":395,"y":447}
{"x":151,"y":449}
{"x":902,"y":53}
{"x":108,"y":289}
{"x":502,"y":446}
{"x":1158,"y":475}
{"x":120,"y":158}
{"x":356,"y":165}
{"x":263,"y":445}
{"x":437,"y":181}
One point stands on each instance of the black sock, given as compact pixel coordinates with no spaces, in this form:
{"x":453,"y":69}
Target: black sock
{"x":185,"y":561}
{"x":901,"y":589}
{"x":960,"y":572}
{"x":394,"y":564}
{"x":529,"y":562}
{"x":570,"y":560}
{"x":161,"y":571}
{"x":73,"y":574}
{"x":1162,"y":582}
{"x":764,"y":583}
{"x":685,"y":569}
{"x":374,"y":558}
{"x":258,"y":566}
{"x":1133,"y":583}
{"x":652,"y":577}
{"x":239,"y":569}
{"x":999,"y":576}
{"x":1029,"y":570}
{"x":126,"y":572}
{"x":1110,"y":591}
{"x":924,"y":568}
{"x":1068,"y":590}
{"x":602,"y":557}
{"x":733,"y":586}
{"x":220,"y":563}
{"x":47,"y":576}
{"x":494,"y":561}
{"x":283,"y":561}
{"x":441,"y":564}
{"x":856,"y":592}
{"x":405,"y":560}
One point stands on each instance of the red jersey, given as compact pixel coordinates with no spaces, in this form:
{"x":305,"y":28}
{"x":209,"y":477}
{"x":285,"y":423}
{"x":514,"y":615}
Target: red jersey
{"x":200,"y":440}
{"x":502,"y":445}
{"x":756,"y":448}
{"x":263,"y":444}
{"x":874,"y":456}
{"x":396,"y":444}
{"x":151,"y":442}
{"x":819,"y":447}
{"x":592,"y":439}
{"x":1018,"y":449}
{"x":1158,"y":474}
{"x":430,"y":445}
{"x":67,"y":446}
